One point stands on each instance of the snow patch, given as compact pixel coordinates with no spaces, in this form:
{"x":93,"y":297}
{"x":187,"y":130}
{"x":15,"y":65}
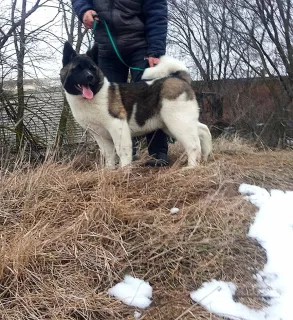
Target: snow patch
{"x":174,"y":210}
{"x":273,"y":229}
{"x":133,"y":292}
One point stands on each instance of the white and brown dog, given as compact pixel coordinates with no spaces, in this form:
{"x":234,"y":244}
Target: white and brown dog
{"x":114,"y":112}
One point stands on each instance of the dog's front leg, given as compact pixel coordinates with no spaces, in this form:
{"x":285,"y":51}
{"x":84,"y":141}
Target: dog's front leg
{"x":120,"y":133}
{"x":107,"y":149}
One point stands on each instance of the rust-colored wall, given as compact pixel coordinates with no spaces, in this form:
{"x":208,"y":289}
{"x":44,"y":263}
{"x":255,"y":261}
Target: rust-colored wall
{"x":241,"y":99}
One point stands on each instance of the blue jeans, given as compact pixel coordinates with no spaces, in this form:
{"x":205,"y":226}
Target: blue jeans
{"x":116,"y":71}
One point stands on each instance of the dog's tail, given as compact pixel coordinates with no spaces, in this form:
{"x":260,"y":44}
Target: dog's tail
{"x":205,"y":138}
{"x":167,"y":66}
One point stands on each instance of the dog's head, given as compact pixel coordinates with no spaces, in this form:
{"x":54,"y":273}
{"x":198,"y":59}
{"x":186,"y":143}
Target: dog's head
{"x":80,"y":74}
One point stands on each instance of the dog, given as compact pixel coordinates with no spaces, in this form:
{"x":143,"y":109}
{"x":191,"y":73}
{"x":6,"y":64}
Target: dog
{"x":115,"y":112}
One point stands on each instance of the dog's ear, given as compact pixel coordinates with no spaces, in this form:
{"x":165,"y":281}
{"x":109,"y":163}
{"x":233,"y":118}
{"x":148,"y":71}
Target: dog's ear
{"x":68,"y":53}
{"x":93,"y":53}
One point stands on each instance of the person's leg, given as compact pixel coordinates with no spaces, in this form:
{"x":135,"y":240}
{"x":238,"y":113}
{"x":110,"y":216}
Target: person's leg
{"x":137,"y":60}
{"x":113,"y":69}
{"x":158,"y":148}
{"x":157,"y":141}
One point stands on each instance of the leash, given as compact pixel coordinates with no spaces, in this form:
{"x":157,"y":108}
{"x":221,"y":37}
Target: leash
{"x":170,"y":139}
{"x":112,"y":41}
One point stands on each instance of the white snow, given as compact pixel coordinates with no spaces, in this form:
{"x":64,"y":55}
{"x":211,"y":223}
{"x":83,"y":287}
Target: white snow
{"x":133,"y":292}
{"x":217,"y":297}
{"x":136,"y":315}
{"x":174,"y":210}
{"x":273,"y":229}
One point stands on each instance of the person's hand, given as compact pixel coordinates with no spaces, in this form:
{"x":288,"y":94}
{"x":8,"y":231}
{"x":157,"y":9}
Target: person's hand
{"x":153,"y":61}
{"x":88,"y":19}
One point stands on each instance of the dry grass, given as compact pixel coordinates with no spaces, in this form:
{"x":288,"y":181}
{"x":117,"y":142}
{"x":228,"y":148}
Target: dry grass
{"x":70,"y":231}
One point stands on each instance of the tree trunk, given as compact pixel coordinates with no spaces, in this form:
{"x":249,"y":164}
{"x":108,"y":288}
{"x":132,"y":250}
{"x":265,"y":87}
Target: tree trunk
{"x":69,"y":24}
{"x":61,"y":133}
{"x":20,"y":52}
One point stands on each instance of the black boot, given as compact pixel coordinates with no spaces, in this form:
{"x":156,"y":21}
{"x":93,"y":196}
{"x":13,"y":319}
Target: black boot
{"x":158,"y":160}
{"x":134,"y":149}
{"x":158,"y":149}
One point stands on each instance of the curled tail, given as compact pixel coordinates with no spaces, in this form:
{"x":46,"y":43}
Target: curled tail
{"x":166,"y":67}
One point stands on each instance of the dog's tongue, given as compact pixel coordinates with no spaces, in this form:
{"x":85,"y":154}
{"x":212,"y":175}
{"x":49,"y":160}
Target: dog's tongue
{"x":87,"y":92}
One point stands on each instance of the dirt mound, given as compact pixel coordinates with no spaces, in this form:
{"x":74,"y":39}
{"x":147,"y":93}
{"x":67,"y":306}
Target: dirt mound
{"x":68,"y":234}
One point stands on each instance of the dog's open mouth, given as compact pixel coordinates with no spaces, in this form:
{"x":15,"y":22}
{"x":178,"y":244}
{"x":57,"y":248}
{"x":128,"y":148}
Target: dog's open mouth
{"x":86,"y":91}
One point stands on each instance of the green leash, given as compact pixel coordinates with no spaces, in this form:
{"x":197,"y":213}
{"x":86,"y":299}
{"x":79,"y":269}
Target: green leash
{"x":171,"y":140}
{"x":112,"y":42}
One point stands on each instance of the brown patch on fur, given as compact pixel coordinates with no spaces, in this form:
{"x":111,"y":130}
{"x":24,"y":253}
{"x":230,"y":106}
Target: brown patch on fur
{"x":115,"y":106}
{"x":184,"y":76}
{"x":174,"y":87}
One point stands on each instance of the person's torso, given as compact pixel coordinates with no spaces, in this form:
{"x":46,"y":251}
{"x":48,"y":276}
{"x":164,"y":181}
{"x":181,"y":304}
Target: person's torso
{"x":125,"y":20}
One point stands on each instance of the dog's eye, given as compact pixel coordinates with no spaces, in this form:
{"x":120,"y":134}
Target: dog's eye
{"x":77,"y":68}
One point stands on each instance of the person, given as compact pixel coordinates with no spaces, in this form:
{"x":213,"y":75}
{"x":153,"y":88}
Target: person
{"x":139,"y":30}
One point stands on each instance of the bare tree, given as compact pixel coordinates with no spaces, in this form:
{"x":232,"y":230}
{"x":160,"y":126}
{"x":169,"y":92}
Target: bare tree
{"x":229,"y":39}
{"x":25,"y":50}
{"x":8,"y":27}
{"x":198,"y":29}
{"x":19,"y":44}
{"x":265,"y":28}
{"x":75,"y":33}
{"x":15,"y":34}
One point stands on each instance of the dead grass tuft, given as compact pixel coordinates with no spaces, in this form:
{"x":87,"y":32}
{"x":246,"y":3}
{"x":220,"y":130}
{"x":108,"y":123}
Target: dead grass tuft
{"x":69,"y":232}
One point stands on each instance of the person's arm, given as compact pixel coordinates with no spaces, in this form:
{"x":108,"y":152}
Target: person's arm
{"x":156,"y":22}
{"x":81,"y":7}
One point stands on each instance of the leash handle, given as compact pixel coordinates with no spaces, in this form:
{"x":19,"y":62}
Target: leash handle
{"x":112,"y":41}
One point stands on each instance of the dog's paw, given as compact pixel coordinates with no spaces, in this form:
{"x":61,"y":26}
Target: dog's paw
{"x":110,"y":167}
{"x":187,"y":168}
{"x":126,"y":170}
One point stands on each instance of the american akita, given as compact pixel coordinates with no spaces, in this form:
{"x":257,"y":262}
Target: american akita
{"x":113,"y":112}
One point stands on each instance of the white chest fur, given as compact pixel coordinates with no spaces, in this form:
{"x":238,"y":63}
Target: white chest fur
{"x":91,"y":114}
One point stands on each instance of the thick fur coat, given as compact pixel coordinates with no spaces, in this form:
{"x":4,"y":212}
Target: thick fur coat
{"x":113,"y":113}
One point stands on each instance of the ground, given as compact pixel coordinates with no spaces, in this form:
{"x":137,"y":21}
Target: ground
{"x":69,"y":231}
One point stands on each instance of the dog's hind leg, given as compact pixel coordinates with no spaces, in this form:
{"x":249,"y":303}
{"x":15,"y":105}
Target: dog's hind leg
{"x":191,"y":143}
{"x":183,"y":126}
{"x":120,"y":133}
{"x":205,"y":140}
{"x":107,"y":149}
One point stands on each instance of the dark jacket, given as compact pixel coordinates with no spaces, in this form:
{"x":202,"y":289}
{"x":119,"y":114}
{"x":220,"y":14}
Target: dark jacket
{"x":134,"y":24}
